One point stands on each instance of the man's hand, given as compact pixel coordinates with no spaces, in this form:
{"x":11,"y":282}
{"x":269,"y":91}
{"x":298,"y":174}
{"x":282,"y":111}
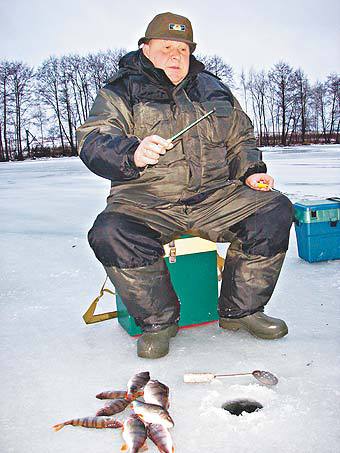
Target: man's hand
{"x":149,"y":150}
{"x":253,"y":180}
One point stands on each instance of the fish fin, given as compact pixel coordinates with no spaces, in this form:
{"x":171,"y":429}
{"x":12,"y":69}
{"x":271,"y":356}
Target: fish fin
{"x":129,"y":396}
{"x":124,"y":447}
{"x":58,"y":426}
{"x":144,"y":447}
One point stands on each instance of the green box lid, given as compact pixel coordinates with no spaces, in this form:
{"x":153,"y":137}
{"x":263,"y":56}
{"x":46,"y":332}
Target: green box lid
{"x":312,"y":211}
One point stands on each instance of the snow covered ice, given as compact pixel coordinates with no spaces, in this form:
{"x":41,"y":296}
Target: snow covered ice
{"x":53,"y":365}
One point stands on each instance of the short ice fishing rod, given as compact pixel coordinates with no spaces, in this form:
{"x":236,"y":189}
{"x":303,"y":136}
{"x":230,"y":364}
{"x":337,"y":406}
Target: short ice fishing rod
{"x":176,"y":136}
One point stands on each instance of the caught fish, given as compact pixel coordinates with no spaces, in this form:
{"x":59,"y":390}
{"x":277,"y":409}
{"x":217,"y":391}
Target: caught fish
{"x":90,"y":422}
{"x":114,"y":407}
{"x":137,"y":383}
{"x":112,"y":394}
{"x":157,"y":393}
{"x":134,"y":434}
{"x":152,"y":413}
{"x":161,"y":437}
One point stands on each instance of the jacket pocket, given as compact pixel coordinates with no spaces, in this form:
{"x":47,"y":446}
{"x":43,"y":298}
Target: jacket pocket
{"x":152,"y":118}
{"x":216,"y":127}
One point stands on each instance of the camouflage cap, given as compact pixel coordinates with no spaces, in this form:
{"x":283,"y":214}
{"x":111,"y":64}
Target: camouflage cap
{"x":169,"y":26}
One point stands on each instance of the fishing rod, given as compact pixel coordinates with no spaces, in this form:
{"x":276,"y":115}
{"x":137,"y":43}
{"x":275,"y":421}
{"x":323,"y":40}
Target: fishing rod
{"x":176,"y":136}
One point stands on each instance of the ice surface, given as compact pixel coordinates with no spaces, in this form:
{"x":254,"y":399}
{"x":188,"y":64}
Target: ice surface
{"x":53,"y":365}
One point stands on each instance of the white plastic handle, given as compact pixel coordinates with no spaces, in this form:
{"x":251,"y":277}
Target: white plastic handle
{"x":198,"y":377}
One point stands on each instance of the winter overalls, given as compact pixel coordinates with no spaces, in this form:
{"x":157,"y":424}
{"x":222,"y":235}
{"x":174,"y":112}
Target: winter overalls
{"x":197,"y":186}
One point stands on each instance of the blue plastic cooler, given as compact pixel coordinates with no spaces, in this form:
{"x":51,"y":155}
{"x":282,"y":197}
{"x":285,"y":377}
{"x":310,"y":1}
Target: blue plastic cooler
{"x":317,"y":227}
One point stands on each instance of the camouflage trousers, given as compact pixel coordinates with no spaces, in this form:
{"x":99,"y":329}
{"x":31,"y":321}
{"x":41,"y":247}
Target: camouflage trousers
{"x":128,"y":240}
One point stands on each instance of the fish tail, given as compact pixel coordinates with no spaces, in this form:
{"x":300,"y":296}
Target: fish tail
{"x":58,"y":427}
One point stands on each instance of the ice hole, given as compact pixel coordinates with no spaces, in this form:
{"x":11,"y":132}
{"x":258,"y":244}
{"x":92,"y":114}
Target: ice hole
{"x":237,"y":407}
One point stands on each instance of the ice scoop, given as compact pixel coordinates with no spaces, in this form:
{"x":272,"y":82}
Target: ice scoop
{"x":265,"y":377}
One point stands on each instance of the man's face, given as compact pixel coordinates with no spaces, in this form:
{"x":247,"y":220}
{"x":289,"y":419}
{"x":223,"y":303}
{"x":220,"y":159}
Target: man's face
{"x":171,"y":56}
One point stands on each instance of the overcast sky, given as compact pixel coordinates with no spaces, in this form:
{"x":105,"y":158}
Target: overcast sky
{"x":247,"y":33}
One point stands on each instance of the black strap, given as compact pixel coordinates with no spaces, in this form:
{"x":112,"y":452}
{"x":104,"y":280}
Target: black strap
{"x":334,"y":199}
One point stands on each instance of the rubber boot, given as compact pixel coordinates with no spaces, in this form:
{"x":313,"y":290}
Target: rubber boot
{"x":150,"y":299}
{"x":258,"y":324}
{"x":153,"y":345}
{"x":148,"y":295}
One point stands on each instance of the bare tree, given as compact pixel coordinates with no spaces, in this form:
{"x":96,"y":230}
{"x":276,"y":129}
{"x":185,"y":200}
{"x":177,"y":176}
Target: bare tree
{"x":16,"y":80}
{"x":333,"y":93}
{"x":217,"y":66}
{"x":272,"y":108}
{"x":49,"y":86}
{"x":5,"y":73}
{"x":258,"y":85}
{"x":302,"y":100}
{"x":283,"y":80}
{"x":40,"y":120}
{"x":320,"y":104}
{"x":22,"y":76}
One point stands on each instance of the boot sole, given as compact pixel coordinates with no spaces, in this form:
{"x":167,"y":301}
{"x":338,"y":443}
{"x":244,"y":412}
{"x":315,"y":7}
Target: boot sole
{"x":154,"y":355}
{"x":235,"y":326}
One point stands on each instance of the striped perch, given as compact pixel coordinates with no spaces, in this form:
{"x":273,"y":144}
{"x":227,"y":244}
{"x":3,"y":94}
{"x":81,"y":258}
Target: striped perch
{"x":136,"y":383}
{"x":156,"y":393}
{"x":91,"y":422}
{"x":112,"y":394}
{"x":114,"y":407}
{"x":161,"y":437}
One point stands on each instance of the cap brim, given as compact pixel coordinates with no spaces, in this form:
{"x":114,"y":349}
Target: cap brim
{"x":191,"y":44}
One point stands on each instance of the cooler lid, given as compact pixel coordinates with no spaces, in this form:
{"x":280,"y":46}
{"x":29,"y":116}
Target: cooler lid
{"x":311,"y":211}
{"x":317,"y":204}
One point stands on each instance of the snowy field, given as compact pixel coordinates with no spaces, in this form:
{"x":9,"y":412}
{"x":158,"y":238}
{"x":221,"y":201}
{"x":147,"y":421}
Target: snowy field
{"x":53,"y":365}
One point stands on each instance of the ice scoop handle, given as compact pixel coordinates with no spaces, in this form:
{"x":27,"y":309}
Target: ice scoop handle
{"x":198,"y":377}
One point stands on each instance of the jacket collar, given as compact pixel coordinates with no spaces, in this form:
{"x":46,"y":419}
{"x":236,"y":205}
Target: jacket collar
{"x":136,"y":61}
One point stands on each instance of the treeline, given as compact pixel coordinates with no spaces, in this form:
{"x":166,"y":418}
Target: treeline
{"x":40,"y":108}
{"x":288,"y":109}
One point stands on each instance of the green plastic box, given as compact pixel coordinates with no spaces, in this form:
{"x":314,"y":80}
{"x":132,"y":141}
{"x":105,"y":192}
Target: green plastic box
{"x":194,"y":277}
